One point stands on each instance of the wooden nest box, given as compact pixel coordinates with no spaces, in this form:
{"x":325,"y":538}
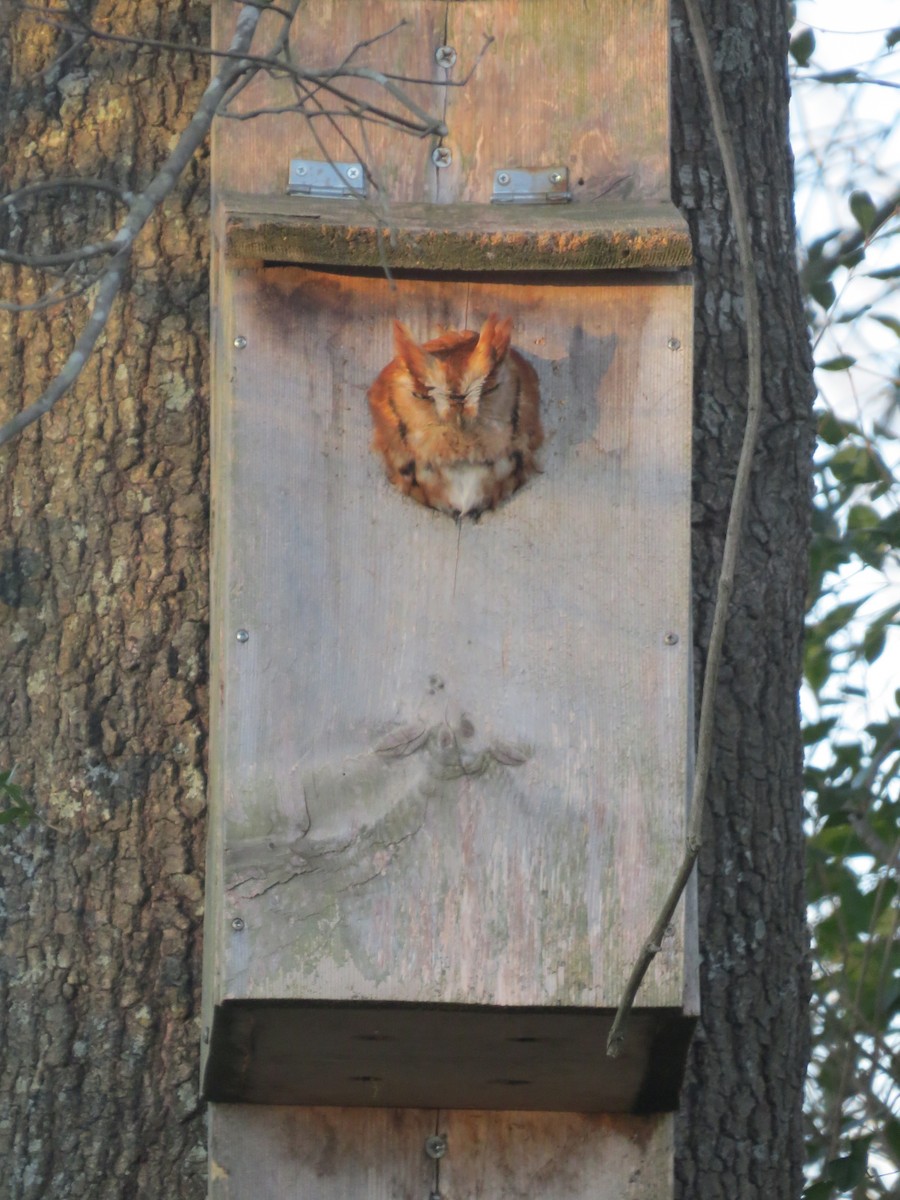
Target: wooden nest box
{"x":450,"y":756}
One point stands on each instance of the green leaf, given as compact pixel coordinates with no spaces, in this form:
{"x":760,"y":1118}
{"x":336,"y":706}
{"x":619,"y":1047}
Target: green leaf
{"x":803,"y":46}
{"x":831,"y":430}
{"x":840,"y":363}
{"x":850,"y":1169}
{"x":815,"y":247}
{"x":864,"y":211}
{"x":819,"y":730}
{"x":863,"y":516}
{"x":851,"y":315}
{"x":852,"y":258}
{"x":889,"y":322}
{"x":849,"y":76}
{"x":823,"y":293}
{"x":885,"y":273}
{"x":873,"y":643}
{"x":17,"y":811}
{"x":892,"y":37}
{"x":856,"y":464}
{"x":816,"y":665}
{"x":823,"y":1190}
{"x":892,"y":1132}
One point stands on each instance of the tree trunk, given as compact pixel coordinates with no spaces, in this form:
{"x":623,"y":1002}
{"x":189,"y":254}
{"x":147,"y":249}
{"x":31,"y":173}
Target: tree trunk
{"x":103,"y":602}
{"x":740,"y":1132}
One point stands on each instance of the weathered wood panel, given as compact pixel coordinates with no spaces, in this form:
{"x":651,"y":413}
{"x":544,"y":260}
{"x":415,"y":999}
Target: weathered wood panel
{"x":577,"y":83}
{"x":453,"y":760}
{"x":347,"y":1154}
{"x":254,"y":155}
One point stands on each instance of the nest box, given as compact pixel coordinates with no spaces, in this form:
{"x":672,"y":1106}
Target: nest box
{"x":450,"y":756}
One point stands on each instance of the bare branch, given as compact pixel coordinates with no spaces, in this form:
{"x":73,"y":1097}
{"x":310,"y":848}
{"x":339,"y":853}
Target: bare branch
{"x":63,"y":183}
{"x":52,"y":298}
{"x":279,"y":67}
{"x":142,"y":207}
{"x":706,"y":726}
{"x":237,"y":69}
{"x":63,"y":259}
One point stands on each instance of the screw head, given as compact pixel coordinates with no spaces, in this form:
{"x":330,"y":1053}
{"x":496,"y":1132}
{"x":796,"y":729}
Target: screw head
{"x":556,"y":177}
{"x":240,"y":342}
{"x":503,"y":178}
{"x":445,"y":56}
{"x":237,"y":924}
{"x":674,"y":343}
{"x":436,"y":1146}
{"x":441,"y":156}
{"x":353,"y":172}
{"x":671,"y":639}
{"x":242,"y":635}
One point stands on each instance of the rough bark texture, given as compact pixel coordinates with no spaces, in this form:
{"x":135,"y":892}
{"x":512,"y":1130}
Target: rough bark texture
{"x":103,"y":580}
{"x":739,"y":1130}
{"x":103,"y":509}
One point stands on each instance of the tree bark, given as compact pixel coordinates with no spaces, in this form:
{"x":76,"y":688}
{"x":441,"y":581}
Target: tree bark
{"x":103,"y":600}
{"x":103,"y":606}
{"x":739,"y":1129}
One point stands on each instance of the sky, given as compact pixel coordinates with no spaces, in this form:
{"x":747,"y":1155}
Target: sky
{"x":847,"y":137}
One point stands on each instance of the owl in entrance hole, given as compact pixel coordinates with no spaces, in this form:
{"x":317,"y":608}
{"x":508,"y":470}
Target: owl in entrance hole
{"x":457,"y":420}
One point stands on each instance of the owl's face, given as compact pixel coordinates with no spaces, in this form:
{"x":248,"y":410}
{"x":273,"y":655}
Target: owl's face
{"x":455,"y":372}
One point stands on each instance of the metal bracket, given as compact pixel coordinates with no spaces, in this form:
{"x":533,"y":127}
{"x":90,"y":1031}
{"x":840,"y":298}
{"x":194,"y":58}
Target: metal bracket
{"x":525,"y":185}
{"x":324,"y":179}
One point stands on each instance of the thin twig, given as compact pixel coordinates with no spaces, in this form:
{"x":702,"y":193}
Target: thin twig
{"x":142,"y":208}
{"x":706,"y":726}
{"x":424,"y":126}
{"x":64,"y":183}
{"x":54,"y":296}
{"x":64,"y":258}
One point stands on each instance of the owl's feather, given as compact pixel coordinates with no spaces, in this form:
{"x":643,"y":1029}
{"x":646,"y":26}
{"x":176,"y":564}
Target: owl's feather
{"x":457,"y":419}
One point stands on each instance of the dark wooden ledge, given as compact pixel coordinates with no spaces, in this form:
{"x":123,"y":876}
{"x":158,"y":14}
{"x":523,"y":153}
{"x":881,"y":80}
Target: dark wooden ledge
{"x":456,"y":237}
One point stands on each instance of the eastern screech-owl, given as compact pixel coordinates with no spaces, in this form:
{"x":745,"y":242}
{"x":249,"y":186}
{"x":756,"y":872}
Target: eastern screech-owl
{"x":457,"y":419}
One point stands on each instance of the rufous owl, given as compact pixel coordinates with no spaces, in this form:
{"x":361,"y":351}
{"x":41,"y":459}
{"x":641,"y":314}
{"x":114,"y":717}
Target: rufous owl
{"x":457,"y":420}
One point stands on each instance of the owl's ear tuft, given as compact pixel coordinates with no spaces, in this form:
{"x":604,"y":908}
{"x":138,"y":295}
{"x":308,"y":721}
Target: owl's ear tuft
{"x":493,"y":343}
{"x":409,"y":351}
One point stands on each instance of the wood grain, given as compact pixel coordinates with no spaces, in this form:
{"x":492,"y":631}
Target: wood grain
{"x":578,"y":83}
{"x":453,"y":762}
{"x":333,"y":1153}
{"x":448,"y":772}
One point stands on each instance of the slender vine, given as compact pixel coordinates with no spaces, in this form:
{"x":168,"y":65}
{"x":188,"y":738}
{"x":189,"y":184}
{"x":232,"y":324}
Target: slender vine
{"x":706,"y":726}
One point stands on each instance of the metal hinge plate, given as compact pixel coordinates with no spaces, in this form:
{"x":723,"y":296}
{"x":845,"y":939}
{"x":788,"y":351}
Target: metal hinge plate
{"x":524,"y":185}
{"x":327,"y":180}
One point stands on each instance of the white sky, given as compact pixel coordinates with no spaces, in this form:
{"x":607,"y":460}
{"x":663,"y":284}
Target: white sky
{"x":853,"y":132}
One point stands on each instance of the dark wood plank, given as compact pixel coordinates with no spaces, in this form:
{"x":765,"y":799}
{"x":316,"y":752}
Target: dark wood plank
{"x":457,"y":237}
